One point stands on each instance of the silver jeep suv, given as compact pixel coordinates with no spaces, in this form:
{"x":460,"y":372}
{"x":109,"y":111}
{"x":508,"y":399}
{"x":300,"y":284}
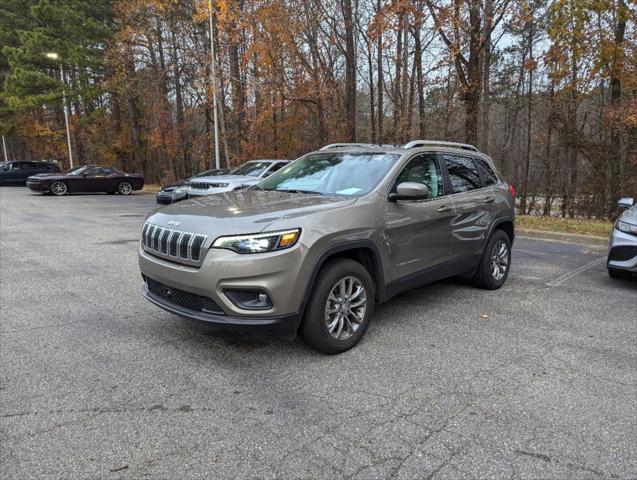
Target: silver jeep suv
{"x":316,"y":245}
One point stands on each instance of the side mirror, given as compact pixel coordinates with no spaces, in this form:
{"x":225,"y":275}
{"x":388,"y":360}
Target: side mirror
{"x":625,"y":203}
{"x":409,"y":191}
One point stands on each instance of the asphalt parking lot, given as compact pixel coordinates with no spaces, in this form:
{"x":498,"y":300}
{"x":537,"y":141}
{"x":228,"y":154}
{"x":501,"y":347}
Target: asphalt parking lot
{"x":536,"y":380}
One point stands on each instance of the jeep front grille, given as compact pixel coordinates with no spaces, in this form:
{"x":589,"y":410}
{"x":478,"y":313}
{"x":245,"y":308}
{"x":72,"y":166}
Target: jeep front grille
{"x":174,"y":245}
{"x":199,"y":185}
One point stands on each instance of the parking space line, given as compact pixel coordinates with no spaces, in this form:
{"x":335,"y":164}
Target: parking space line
{"x":577,"y":271}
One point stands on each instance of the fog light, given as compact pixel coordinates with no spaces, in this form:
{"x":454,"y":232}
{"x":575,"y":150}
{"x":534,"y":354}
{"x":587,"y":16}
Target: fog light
{"x":249,"y":299}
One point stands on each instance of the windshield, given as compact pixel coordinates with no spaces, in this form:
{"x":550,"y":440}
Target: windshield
{"x":251,"y":169}
{"x":332,"y":173}
{"x":76,"y":171}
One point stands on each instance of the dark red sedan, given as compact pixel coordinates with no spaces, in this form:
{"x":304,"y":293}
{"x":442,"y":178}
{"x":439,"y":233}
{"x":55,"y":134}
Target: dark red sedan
{"x":87,"y":178}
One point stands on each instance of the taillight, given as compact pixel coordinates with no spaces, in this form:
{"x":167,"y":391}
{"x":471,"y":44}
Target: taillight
{"x":512,"y":190}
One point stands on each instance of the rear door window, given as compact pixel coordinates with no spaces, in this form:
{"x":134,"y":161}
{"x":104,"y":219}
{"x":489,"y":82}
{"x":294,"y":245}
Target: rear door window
{"x":463,"y":173}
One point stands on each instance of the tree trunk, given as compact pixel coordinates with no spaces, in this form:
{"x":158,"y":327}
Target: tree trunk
{"x":615,"y":169}
{"x":379,"y":80}
{"x":420,"y":81}
{"x":350,"y":71}
{"x":529,"y":117}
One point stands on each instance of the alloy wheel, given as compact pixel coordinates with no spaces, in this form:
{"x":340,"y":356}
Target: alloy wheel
{"x":345,"y":308}
{"x":499,"y":260}
{"x":58,"y":188}
{"x":125,"y":188}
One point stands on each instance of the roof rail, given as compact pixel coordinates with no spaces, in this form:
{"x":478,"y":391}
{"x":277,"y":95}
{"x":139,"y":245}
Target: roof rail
{"x":439,"y":143}
{"x":353,"y":145}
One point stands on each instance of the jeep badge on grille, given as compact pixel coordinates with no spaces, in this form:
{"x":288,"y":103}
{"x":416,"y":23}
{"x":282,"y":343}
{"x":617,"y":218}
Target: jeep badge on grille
{"x":173,"y":223}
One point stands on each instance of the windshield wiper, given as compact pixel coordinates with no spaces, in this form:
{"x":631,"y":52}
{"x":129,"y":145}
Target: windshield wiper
{"x":295,"y":190}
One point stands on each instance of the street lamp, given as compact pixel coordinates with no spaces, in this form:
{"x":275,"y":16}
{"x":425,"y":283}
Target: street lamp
{"x":54,"y":56}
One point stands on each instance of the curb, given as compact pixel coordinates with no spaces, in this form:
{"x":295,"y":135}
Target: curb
{"x":562,"y":237}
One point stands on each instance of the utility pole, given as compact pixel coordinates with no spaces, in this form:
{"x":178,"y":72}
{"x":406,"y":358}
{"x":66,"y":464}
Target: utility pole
{"x":213,"y":72}
{"x":4,"y":148}
{"x":66,"y":119}
{"x":55,"y":56}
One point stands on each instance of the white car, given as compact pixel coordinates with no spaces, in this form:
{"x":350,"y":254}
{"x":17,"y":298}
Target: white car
{"x":248,"y":174}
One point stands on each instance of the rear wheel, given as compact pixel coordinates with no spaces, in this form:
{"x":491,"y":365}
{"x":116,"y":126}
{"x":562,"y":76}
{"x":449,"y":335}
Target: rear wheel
{"x":340,"y":307}
{"x":496,"y":262}
{"x":59,"y":188}
{"x":125,"y":188}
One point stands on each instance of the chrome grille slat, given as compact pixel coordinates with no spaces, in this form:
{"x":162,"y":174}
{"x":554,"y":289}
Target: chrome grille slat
{"x":175,"y":245}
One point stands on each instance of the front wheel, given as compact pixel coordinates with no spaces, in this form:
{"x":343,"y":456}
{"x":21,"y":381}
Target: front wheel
{"x":59,"y":188}
{"x":125,"y":188}
{"x":340,"y":307}
{"x":496,"y":262}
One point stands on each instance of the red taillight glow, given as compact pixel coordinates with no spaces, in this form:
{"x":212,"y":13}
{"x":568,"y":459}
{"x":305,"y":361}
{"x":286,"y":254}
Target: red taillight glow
{"x":512,"y":190}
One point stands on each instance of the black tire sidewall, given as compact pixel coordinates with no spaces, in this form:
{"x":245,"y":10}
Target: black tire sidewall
{"x":486,"y":278}
{"x":313,"y":329}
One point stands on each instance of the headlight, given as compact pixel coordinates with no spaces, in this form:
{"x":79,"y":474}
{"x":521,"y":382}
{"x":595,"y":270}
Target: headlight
{"x":181,"y":189}
{"x":626,"y":227}
{"x":259,"y":243}
{"x":217,"y":185}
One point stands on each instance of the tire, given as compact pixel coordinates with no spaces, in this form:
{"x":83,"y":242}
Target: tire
{"x":59,"y":188}
{"x":125,"y":188}
{"x":496,"y":262}
{"x":337,"y":277}
{"x":618,"y":274}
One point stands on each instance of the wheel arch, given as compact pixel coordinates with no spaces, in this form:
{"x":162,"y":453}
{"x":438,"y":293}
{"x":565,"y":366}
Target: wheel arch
{"x":362,"y":251}
{"x":506,"y":225}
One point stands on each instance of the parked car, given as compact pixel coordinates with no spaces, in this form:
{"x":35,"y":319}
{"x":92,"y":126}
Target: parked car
{"x":244,"y":176}
{"x":622,"y":252}
{"x":87,"y":178}
{"x":376,"y":222}
{"x":176,"y":191}
{"x":16,"y":173}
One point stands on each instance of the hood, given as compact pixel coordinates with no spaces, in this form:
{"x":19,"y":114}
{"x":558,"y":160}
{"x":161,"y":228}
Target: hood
{"x":41,"y":175}
{"x":630,"y":215}
{"x":242,"y":211}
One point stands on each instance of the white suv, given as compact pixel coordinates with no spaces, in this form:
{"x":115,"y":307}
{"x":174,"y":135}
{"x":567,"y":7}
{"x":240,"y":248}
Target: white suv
{"x":248,"y":174}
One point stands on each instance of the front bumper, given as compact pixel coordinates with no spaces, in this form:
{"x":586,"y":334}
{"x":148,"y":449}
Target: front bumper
{"x":38,"y":186}
{"x":276,"y":325}
{"x":166,"y":198}
{"x":281,"y":275}
{"x":622,"y":252}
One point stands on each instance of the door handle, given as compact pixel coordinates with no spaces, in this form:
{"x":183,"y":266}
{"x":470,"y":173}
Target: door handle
{"x":445,"y":208}
{"x":488,"y":200}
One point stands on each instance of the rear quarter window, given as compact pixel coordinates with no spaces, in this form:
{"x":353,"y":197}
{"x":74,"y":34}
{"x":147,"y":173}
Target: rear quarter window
{"x":487,"y":172}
